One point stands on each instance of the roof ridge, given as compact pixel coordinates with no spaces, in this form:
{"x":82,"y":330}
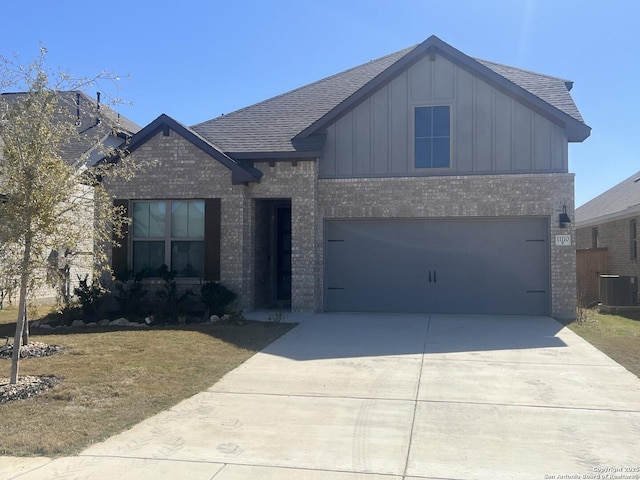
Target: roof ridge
{"x":314,"y":83}
{"x":111,"y":114}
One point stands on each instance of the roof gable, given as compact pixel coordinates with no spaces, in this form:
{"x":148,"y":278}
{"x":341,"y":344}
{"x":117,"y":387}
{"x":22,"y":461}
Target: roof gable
{"x":239,"y":173}
{"x":619,"y":201}
{"x":292,"y":124}
{"x":521,"y":84}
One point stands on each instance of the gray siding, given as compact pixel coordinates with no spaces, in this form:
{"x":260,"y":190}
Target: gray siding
{"x":491,"y":132}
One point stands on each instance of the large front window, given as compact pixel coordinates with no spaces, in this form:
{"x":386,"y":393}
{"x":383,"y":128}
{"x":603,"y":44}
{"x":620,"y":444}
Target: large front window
{"x":169,"y":232}
{"x":432,"y":137}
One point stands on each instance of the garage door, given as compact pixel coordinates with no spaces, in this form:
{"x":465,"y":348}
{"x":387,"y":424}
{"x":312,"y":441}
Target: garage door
{"x":496,"y":265}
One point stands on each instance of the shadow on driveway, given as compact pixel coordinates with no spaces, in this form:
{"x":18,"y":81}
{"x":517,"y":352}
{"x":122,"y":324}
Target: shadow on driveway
{"x":346,"y":335}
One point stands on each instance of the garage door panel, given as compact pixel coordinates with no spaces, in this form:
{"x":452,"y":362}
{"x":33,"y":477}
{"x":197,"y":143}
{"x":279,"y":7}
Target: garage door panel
{"x":439,"y":266}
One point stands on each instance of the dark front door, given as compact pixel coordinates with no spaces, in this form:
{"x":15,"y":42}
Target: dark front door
{"x":283,"y":253}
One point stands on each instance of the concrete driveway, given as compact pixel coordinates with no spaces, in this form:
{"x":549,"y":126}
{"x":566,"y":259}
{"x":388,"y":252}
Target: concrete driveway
{"x":383,"y":397}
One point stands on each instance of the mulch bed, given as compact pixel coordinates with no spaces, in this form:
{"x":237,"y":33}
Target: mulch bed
{"x":28,"y":385}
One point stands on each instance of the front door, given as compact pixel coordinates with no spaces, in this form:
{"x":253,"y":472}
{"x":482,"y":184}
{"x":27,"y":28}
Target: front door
{"x":282,"y":254}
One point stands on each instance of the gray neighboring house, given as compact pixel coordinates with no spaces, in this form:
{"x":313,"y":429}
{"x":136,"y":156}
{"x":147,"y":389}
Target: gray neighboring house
{"x":99,"y":127}
{"x":423,"y":181}
{"x":608,"y":224}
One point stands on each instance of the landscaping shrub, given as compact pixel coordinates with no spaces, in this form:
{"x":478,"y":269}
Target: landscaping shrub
{"x":129,"y":294}
{"x":217,"y":297}
{"x":91,"y":296}
{"x":173,"y":305}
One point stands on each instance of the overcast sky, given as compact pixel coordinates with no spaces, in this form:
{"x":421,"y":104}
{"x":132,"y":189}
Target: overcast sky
{"x":194,"y":60}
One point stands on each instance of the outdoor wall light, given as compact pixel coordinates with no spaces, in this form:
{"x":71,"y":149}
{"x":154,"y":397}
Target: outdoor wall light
{"x":564,"y":218}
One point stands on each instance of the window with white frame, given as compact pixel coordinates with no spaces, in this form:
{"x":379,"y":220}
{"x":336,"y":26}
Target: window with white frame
{"x":169,"y":232}
{"x":432,"y":137}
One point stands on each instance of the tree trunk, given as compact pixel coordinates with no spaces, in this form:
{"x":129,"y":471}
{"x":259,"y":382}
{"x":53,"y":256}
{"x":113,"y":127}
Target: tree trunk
{"x":25,"y":330}
{"x":22,"y":310}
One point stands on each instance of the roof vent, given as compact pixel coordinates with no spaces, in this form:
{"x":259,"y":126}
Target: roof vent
{"x":78,"y":122}
{"x":98,"y":108}
{"x":636,"y":180}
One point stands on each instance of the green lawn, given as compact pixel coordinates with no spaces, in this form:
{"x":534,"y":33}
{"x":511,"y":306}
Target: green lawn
{"x":114,"y":378}
{"x":615,"y":335}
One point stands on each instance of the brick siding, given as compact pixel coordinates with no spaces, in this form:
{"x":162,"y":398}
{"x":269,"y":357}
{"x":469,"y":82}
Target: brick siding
{"x":184,"y":171}
{"x":615,"y":237}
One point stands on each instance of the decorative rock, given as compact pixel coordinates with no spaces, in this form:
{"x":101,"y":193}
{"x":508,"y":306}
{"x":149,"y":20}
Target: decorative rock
{"x":226,"y":317}
{"x":91,"y":324}
{"x":120,"y":322}
{"x":45,"y":326}
{"x":103,"y":322}
{"x":214,"y":318}
{"x":77,"y":323}
{"x":148,"y":320}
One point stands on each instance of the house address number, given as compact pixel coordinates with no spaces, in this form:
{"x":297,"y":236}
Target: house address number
{"x":563,"y":240}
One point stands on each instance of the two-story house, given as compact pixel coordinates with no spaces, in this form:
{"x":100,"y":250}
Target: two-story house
{"x":423,"y":181}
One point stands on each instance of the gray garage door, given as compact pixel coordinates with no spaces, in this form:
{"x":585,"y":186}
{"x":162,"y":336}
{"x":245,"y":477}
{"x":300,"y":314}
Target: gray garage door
{"x":489,"y":265}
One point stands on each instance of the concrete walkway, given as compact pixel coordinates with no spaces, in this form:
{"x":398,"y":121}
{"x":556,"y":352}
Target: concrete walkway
{"x":385,"y":397}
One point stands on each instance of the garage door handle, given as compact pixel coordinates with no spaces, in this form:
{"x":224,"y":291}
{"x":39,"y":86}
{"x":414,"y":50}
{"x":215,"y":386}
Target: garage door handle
{"x":429,"y":276}
{"x":435,"y":279}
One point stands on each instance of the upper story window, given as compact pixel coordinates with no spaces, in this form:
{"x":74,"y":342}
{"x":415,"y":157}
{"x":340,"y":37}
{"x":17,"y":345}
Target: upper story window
{"x":432,"y":137}
{"x":169,"y":233}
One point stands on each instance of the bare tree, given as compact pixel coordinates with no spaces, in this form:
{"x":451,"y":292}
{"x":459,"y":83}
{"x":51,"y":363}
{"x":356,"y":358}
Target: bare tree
{"x":49,"y":201}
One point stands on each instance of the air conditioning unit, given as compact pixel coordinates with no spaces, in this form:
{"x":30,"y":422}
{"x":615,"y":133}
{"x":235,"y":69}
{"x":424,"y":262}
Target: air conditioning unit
{"x":618,"y":290}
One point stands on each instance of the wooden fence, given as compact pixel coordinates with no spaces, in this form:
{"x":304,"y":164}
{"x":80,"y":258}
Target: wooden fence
{"x":590,"y":264}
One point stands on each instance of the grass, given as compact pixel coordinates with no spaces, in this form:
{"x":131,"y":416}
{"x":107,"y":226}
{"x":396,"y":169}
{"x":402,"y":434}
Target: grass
{"x":615,"y":335}
{"x":113,"y":379}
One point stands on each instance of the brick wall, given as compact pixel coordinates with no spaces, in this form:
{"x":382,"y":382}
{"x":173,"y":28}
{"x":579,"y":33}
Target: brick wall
{"x":184,"y":171}
{"x":615,"y":237}
{"x":296,"y":181}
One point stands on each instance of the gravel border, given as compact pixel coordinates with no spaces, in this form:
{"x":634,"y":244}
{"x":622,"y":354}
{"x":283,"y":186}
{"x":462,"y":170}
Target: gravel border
{"x":27,"y":386}
{"x":33,"y":349}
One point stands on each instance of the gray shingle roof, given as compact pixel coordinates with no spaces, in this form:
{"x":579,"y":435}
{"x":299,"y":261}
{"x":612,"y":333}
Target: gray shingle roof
{"x":271,"y":125}
{"x":90,"y":131}
{"x":553,"y":90}
{"x":615,"y":202}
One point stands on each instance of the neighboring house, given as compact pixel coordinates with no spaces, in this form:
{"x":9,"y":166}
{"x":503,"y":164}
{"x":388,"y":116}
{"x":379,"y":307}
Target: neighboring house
{"x":99,"y":128}
{"x":607,"y":228}
{"x":423,"y":181}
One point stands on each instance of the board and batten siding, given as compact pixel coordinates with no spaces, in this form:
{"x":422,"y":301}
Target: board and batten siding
{"x":491,"y":132}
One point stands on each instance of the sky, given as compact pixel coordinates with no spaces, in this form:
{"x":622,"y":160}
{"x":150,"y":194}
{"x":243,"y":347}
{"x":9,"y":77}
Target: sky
{"x":197,"y":59}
